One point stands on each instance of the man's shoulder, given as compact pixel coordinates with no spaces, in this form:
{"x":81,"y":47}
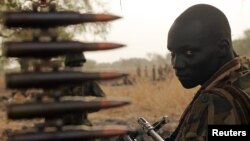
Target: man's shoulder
{"x":205,"y":108}
{"x":227,"y":100}
{"x":203,"y":104}
{"x":220,"y":103}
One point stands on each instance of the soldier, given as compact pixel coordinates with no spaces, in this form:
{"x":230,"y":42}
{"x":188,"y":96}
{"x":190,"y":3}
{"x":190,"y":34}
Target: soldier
{"x":127,"y":81}
{"x":160,"y":73}
{"x":153,"y":73}
{"x":24,"y":65}
{"x":146,"y":72}
{"x":138,"y":71}
{"x":75,"y":62}
{"x":202,"y":54}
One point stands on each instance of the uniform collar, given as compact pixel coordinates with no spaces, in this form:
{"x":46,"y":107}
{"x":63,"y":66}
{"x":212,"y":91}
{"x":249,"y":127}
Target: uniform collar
{"x":224,"y":71}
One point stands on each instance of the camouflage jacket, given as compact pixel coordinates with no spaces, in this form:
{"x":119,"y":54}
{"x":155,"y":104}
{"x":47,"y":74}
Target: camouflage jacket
{"x":223,"y":99}
{"x":86,"y":89}
{"x":90,"y":88}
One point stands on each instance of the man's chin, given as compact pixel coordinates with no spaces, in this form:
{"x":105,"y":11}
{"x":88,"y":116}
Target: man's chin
{"x":188,"y":85}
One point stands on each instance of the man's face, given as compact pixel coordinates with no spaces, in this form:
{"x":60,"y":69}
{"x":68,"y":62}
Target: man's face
{"x":194,"y":53}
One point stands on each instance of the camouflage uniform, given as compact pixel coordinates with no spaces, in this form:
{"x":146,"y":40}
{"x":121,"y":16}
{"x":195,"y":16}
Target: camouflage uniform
{"x":223,"y":99}
{"x":90,"y":88}
{"x":24,"y":64}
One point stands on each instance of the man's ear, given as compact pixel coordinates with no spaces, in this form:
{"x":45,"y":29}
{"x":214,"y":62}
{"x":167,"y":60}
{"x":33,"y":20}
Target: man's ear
{"x":223,"y":47}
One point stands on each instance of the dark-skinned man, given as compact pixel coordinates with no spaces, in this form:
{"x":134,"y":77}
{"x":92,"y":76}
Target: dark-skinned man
{"x":202,"y":54}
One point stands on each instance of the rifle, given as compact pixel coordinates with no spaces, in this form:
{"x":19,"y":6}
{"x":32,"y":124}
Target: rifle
{"x":150,"y":130}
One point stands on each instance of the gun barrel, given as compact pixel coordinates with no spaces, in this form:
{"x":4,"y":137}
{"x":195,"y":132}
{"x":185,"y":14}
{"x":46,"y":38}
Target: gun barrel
{"x":57,"y":109}
{"x":157,"y":125}
{"x":26,"y":19}
{"x":148,"y":128}
{"x":52,"y":49}
{"x":55,"y":79}
{"x":76,"y":135}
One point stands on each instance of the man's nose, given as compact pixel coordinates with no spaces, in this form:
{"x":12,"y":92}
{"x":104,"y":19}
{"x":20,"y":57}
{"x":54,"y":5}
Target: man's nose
{"x":178,"y":62}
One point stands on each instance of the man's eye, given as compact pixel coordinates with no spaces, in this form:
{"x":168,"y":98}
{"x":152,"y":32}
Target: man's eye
{"x":189,"y":52}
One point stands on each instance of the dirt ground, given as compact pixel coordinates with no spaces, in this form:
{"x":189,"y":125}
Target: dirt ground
{"x":151,"y":100}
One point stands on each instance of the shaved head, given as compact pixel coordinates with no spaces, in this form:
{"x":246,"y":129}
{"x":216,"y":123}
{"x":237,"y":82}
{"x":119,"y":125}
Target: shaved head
{"x":215,"y":23}
{"x":200,"y":43}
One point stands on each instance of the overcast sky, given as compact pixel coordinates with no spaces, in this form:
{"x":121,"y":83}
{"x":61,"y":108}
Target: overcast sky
{"x":145,"y":24}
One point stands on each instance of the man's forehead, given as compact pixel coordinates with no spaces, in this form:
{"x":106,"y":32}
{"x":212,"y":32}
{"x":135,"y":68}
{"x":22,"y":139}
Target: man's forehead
{"x":181,"y":28}
{"x":187,"y":34}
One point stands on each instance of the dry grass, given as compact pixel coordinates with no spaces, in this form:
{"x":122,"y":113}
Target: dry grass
{"x":149,"y":100}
